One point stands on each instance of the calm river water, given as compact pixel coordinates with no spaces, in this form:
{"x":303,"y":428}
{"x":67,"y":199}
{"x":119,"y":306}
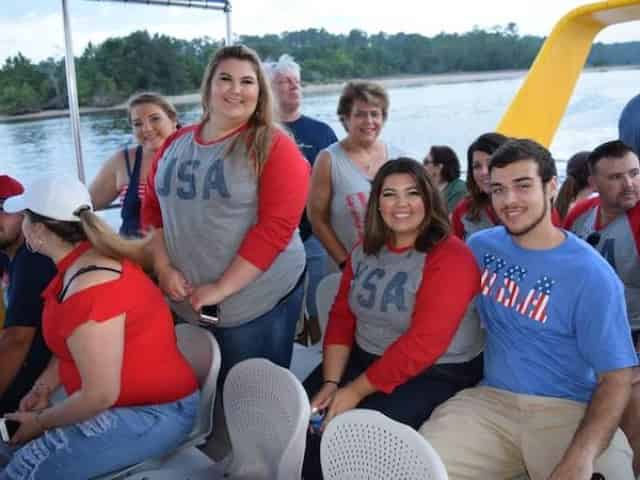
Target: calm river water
{"x":449,"y":114}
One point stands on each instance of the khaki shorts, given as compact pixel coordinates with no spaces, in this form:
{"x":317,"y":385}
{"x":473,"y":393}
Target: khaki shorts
{"x":486,"y":433}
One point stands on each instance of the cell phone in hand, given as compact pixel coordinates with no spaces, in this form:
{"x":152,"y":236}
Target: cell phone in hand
{"x":209,"y":314}
{"x":316,"y":419}
{"x":8,"y":428}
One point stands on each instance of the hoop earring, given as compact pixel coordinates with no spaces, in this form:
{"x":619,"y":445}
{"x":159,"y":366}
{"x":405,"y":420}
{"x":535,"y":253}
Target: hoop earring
{"x":30,"y":247}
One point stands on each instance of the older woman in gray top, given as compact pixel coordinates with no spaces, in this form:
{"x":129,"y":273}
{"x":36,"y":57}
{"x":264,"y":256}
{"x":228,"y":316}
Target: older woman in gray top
{"x":342,"y":173}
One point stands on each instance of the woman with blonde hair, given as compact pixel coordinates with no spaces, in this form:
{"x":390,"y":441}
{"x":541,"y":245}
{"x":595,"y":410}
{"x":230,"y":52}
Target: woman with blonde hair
{"x":342,"y":173}
{"x":131,"y":395}
{"x":225,"y":197}
{"x":124,"y":176}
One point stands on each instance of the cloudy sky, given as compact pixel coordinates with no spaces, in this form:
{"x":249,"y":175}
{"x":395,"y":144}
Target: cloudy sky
{"x":34,"y":27}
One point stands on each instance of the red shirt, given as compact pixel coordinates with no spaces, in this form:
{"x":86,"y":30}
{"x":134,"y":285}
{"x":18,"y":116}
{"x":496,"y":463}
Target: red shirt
{"x":153,"y":369}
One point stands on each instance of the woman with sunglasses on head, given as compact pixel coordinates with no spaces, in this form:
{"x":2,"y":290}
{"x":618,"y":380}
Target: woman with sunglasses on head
{"x":124,"y":176}
{"x":443,"y":167}
{"x":396,"y":341}
{"x":131,"y":395}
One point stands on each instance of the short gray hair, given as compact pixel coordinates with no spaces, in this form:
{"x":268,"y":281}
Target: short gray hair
{"x":285,"y":64}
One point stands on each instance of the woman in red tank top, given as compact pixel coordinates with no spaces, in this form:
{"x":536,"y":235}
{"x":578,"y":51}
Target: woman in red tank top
{"x":114,"y":350}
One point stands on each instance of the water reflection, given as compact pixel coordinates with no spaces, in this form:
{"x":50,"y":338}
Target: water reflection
{"x":420,"y":116}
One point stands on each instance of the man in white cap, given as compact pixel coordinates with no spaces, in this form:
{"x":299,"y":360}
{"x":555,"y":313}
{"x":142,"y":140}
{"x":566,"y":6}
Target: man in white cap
{"x":23,"y":353}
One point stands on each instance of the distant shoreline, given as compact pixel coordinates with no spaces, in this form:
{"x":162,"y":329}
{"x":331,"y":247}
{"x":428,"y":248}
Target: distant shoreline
{"x":328,"y":88}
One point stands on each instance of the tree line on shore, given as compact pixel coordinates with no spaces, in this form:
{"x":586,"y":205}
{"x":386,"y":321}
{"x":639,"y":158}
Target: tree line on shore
{"x":110,"y":72}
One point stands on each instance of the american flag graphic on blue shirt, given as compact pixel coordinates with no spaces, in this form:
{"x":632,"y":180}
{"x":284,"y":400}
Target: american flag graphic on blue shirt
{"x":492,"y":267}
{"x":508,"y":292}
{"x":537,"y":300}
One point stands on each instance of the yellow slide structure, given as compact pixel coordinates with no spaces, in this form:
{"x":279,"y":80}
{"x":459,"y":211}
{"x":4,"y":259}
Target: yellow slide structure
{"x":539,"y":105}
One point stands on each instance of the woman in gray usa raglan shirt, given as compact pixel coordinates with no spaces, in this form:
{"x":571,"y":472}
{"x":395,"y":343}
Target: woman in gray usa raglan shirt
{"x":225,"y":197}
{"x":342,"y":173}
{"x":398,"y":340}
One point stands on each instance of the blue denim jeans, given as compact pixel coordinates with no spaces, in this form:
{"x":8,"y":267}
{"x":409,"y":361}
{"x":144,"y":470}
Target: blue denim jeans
{"x":268,"y":336}
{"x":316,"y":270}
{"x":113,"y":439}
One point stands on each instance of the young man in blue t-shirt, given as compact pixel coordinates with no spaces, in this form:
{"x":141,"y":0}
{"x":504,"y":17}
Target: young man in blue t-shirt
{"x":23,"y":353}
{"x":557,"y":373}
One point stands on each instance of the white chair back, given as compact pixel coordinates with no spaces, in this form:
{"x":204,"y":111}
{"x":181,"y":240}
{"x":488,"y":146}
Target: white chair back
{"x":267,"y":413}
{"x":325,"y":296}
{"x":364,"y":444}
{"x":201,"y":350}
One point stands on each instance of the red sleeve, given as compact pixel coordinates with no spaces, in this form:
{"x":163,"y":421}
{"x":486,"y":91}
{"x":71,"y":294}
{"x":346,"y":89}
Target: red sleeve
{"x":341,"y":328}
{"x":451,"y":279}
{"x":578,"y":209}
{"x":100,"y":302}
{"x":283,"y":188}
{"x":456,"y":218}
{"x":634,"y":221}
{"x":150,"y":214}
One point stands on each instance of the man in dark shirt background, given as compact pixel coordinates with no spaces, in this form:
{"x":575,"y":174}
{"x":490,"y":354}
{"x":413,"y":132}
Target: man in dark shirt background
{"x":312,"y":136}
{"x":23,"y":353}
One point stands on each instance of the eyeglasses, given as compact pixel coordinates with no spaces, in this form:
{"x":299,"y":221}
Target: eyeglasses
{"x":593,"y":239}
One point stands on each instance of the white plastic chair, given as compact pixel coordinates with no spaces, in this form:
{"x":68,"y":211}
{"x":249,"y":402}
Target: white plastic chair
{"x":325,"y":296}
{"x":201,"y":350}
{"x":267,"y":413}
{"x":364,"y":444}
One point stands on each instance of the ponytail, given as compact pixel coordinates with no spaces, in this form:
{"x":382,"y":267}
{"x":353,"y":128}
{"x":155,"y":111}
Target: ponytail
{"x":109,"y":243}
{"x":566,"y":196}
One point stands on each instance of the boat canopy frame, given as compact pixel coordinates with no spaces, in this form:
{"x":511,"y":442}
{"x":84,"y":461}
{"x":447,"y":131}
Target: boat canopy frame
{"x":70,"y":70}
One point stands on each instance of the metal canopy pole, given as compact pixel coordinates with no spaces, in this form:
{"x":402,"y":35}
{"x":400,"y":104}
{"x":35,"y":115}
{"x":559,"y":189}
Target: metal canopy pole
{"x":72,"y":92}
{"x":70,"y":67}
{"x":227,"y":11}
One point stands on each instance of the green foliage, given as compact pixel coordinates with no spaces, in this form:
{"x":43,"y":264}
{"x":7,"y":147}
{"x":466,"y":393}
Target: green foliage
{"x":112,"y":71}
{"x":23,"y":88}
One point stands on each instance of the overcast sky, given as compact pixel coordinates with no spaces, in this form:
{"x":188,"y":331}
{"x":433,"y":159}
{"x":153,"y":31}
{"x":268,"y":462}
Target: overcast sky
{"x":34,"y":27}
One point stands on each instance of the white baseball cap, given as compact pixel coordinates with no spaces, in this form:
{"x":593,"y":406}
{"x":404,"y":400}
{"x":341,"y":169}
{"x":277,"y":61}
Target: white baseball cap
{"x":54,"y":196}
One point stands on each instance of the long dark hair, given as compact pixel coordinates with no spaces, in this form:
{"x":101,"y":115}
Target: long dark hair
{"x":435,"y":225}
{"x":577,"y":179}
{"x":487,"y":143}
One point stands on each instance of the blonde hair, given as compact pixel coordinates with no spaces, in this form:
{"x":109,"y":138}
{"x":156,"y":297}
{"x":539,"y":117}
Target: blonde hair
{"x":368,"y":92}
{"x":106,"y":241}
{"x":144,"y":98}
{"x":262,"y":124}
{"x":101,"y":236}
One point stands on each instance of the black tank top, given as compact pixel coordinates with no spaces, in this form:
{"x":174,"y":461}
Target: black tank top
{"x":131,"y":204}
